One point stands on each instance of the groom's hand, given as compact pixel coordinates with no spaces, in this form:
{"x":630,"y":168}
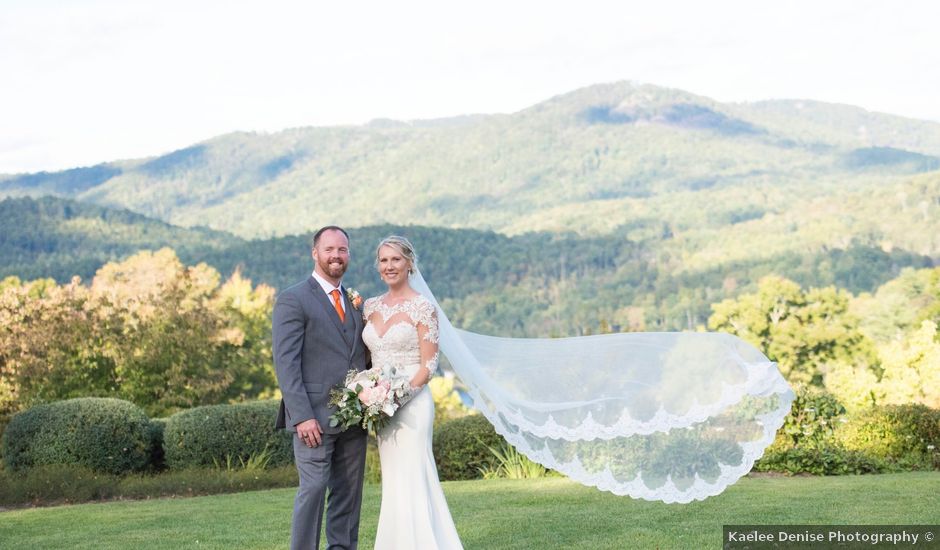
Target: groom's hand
{"x":309,"y":432}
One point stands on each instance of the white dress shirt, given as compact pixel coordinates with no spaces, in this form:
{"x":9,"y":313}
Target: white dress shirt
{"x":328,"y":288}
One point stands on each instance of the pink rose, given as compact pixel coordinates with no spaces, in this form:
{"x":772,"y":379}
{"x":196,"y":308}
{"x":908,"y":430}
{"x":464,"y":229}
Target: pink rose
{"x":374,"y":395}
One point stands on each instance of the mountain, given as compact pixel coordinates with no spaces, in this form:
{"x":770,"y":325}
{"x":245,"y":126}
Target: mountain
{"x":51,"y":237}
{"x":533,"y":284}
{"x":591,"y":161}
{"x":712,"y":194}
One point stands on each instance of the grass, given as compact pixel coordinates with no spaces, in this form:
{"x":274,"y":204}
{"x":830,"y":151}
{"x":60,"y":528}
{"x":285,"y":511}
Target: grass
{"x":544,"y":513}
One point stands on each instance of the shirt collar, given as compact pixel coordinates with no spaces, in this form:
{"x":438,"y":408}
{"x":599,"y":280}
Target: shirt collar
{"x":326,"y":285}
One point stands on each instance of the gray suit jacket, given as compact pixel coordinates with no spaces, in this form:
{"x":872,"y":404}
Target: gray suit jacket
{"x":313,"y":350}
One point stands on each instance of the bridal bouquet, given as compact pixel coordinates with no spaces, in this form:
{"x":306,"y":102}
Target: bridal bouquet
{"x":367,"y":398}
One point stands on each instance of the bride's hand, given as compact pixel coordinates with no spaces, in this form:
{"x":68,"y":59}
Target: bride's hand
{"x":422,"y":377}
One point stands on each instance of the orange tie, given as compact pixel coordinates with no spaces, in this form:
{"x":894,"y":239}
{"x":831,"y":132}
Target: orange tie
{"x":338,"y":305}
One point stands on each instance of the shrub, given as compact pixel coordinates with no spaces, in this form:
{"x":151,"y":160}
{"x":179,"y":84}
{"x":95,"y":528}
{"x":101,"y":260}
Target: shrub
{"x":806,"y":443}
{"x":461,"y":447}
{"x":813,"y":418}
{"x":820,"y":459}
{"x":225,"y":434}
{"x":905,"y":435}
{"x":104,"y":435}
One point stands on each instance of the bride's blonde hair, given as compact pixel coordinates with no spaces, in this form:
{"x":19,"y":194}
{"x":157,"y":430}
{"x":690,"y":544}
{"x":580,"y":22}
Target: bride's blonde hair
{"x":403,"y":246}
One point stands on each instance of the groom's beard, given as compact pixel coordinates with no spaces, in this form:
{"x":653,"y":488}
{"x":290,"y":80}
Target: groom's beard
{"x":336,"y":270}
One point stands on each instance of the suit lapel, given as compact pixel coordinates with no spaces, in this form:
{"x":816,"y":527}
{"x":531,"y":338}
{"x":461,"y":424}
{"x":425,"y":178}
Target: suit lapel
{"x":357,"y":321}
{"x":328,"y":306}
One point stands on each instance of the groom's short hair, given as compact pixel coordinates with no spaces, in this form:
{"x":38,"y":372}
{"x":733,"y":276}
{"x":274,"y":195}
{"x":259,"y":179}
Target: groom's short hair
{"x":322,"y":230}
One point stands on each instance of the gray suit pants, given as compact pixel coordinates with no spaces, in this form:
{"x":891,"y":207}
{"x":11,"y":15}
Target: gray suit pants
{"x":337,"y":465}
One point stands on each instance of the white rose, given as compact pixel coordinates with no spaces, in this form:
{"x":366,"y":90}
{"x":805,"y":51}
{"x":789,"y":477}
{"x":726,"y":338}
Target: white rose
{"x":363,"y":381}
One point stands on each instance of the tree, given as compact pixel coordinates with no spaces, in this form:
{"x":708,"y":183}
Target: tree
{"x":802,"y":331}
{"x":899,"y":306}
{"x":912,"y":368}
{"x":246,"y":313}
{"x":149,"y":329}
{"x":909,"y":368}
{"x":57,"y":345}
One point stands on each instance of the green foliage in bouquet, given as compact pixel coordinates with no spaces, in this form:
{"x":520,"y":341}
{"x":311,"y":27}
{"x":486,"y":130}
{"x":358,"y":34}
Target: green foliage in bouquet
{"x":349,"y":409}
{"x":383,"y":393}
{"x":105,"y":435}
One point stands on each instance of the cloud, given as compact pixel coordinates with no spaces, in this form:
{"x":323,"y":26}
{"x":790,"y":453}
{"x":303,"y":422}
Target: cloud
{"x":98,"y":79}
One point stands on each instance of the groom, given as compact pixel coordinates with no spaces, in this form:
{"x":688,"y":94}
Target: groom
{"x":317,"y":339}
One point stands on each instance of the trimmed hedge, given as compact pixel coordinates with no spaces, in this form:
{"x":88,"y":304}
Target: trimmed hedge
{"x":105,"y":435}
{"x":905,"y":435}
{"x":825,"y":459}
{"x":219,"y":434}
{"x":460,"y":447}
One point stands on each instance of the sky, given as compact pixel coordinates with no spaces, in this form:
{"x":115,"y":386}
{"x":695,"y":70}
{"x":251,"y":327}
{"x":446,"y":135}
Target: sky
{"x":90,"y":81}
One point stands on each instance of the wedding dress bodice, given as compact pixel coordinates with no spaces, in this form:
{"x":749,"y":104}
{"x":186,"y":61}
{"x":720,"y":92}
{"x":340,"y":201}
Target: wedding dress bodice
{"x":395,"y":343}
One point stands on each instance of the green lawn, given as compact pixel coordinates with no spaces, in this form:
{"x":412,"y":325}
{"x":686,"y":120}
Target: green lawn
{"x":541,"y":514}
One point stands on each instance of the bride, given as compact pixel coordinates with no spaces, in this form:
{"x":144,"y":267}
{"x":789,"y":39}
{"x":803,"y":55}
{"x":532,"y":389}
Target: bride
{"x":401,"y":333}
{"x":671,"y":417}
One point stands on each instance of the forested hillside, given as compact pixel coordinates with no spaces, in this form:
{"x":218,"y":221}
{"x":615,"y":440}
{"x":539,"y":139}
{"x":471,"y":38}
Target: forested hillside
{"x":617,"y":206}
{"x":615,"y":158}
{"x":531,"y":284}
{"x":51,"y":237}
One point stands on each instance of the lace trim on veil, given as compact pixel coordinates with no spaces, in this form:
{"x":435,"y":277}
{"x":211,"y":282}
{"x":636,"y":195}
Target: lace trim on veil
{"x":702,"y":448}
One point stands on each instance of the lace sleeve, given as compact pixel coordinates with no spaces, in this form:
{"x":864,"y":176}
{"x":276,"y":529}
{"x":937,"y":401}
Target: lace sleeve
{"x":424,"y":314}
{"x":369,"y":307}
{"x":425,"y":317}
{"x":432,"y":363}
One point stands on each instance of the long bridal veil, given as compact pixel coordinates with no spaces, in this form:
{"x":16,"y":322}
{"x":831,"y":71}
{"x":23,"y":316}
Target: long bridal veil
{"x":669,"y":416}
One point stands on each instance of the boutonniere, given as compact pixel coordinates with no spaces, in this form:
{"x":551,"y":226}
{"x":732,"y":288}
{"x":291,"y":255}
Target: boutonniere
{"x":354,"y":297}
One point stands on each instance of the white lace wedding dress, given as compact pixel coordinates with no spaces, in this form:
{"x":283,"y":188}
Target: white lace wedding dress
{"x":414,"y":513}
